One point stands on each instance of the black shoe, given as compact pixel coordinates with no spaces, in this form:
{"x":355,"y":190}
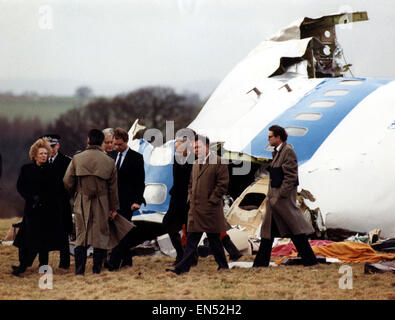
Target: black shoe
{"x":176,"y":271}
{"x":109,"y":266}
{"x":260,"y":264}
{"x":176,"y":261}
{"x":234,"y":253}
{"x":17,"y":271}
{"x":64,"y":266}
{"x":126,"y":264}
{"x":235,"y":257}
{"x":96,"y":269}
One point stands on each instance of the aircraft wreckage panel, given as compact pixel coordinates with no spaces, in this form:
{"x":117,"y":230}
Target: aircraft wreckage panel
{"x":158,"y":166}
{"x":318,"y":131}
{"x":351,"y":173}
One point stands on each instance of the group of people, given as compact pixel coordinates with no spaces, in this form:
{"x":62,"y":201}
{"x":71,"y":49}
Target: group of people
{"x":106,"y":184}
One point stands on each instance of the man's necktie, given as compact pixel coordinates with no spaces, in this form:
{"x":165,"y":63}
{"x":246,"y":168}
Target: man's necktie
{"x":119,"y":161}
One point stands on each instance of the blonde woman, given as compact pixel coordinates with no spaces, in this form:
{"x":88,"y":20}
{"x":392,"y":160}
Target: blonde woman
{"x":41,"y":230}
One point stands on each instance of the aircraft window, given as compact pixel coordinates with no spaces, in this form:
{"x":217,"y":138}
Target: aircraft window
{"x":336,"y":92}
{"x":296,"y":131}
{"x":155,"y":193}
{"x":312,"y":116}
{"x":351,"y":82}
{"x":323,"y":103}
{"x":161,"y":156}
{"x":252,"y":201}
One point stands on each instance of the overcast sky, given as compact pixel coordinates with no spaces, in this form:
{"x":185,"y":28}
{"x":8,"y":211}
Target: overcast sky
{"x":116,"y":46}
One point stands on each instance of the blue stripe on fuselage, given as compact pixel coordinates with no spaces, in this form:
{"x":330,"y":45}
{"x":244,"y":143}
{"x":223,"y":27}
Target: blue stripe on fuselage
{"x":156,"y":174}
{"x":318,"y":130}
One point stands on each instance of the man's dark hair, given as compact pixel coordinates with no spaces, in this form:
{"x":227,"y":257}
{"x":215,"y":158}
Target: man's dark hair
{"x":120,"y":133}
{"x":203,"y":139}
{"x":96,"y":137}
{"x":279,"y":131}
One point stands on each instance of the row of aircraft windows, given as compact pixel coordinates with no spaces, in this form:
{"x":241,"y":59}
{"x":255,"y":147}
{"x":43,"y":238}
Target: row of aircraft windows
{"x":314,"y":116}
{"x":155,"y":193}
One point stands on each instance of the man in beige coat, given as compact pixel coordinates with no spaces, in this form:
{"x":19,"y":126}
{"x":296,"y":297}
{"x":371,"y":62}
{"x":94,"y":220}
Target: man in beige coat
{"x":208,"y":183}
{"x":91,"y":178}
{"x":283,"y":218}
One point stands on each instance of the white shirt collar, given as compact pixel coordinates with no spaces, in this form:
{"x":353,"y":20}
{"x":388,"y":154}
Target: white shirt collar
{"x":124,"y":152}
{"x":279,"y":147}
{"x":123,"y":156}
{"x":52,"y":159}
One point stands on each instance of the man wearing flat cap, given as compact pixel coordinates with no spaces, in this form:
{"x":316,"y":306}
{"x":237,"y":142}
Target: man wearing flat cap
{"x":59,"y":163}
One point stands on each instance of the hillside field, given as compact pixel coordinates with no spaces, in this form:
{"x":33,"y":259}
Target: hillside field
{"x":46,"y":109}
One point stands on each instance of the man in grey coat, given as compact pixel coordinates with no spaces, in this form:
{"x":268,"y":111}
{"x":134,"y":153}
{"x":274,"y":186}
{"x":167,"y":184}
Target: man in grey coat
{"x":208,"y":183}
{"x":283,"y":218}
{"x":91,"y":178}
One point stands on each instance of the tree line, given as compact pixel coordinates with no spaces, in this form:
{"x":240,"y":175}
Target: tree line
{"x":153,"y":106}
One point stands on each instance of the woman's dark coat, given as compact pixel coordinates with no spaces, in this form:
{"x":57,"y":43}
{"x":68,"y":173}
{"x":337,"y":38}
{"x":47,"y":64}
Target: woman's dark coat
{"x":42,"y":225}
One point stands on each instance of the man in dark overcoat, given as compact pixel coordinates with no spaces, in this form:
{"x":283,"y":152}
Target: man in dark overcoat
{"x":283,"y":218}
{"x":208,"y":183}
{"x":131,"y":185}
{"x":59,"y":163}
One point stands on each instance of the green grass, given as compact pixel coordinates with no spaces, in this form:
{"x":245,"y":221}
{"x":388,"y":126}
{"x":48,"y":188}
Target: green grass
{"x":46,"y":109}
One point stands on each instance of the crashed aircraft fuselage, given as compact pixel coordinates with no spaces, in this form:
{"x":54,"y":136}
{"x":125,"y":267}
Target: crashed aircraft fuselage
{"x":342,"y":128}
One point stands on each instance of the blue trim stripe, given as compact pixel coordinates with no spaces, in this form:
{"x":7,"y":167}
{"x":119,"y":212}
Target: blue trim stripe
{"x":158,"y":175}
{"x":317,"y":131}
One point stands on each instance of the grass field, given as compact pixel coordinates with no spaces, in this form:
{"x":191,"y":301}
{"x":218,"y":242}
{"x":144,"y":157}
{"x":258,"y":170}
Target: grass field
{"x":46,"y":109}
{"x":148,"y":280}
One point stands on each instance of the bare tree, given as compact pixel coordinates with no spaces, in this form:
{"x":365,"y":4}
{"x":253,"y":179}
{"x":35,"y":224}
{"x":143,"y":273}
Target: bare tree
{"x":152,"y":105}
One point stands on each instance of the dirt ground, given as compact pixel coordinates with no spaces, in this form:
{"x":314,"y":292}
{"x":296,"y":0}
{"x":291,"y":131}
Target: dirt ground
{"x":148,"y":280}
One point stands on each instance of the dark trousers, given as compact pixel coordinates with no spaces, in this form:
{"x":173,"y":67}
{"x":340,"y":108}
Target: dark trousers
{"x":80,"y":255}
{"x":300,"y":241}
{"x":64,"y":256}
{"x":175,"y":239}
{"x":120,"y":255}
{"x":193,"y":239}
{"x":26,"y":257}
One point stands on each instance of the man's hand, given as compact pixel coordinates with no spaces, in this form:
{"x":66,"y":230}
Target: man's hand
{"x":135,"y":206}
{"x":113,"y":214}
